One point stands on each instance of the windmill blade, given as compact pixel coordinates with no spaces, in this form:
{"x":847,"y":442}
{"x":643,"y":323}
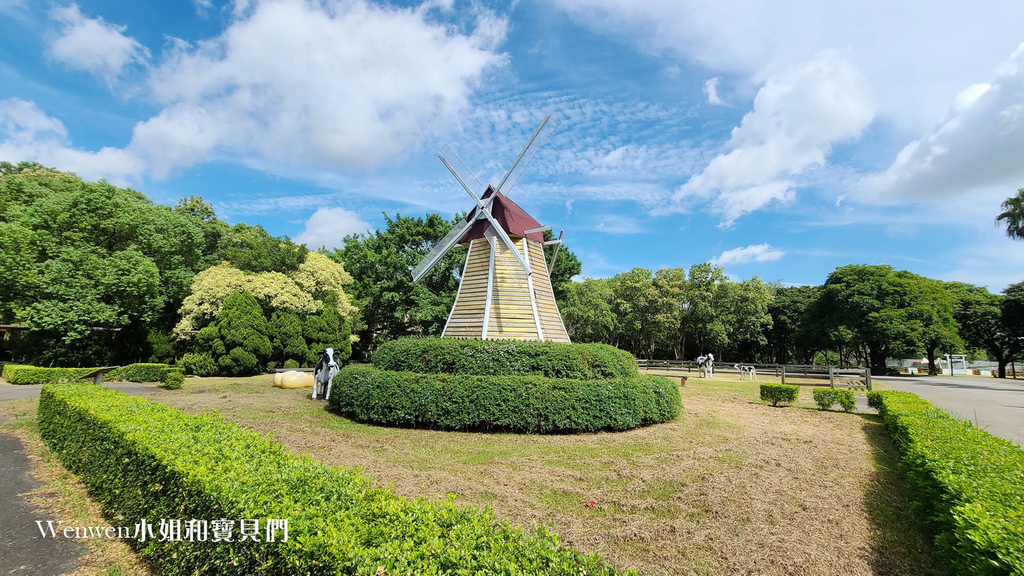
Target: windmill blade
{"x":439,"y":250}
{"x":508,"y":242}
{"x":558,"y":246}
{"x":512,"y":176}
{"x":466,"y":177}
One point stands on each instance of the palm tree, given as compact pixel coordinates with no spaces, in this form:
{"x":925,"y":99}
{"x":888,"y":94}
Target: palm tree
{"x":1013,"y":215}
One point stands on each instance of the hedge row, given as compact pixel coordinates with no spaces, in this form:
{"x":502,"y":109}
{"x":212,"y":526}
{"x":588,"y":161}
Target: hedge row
{"x":505,"y":358}
{"x":138,"y":373}
{"x":21,"y":374}
{"x":532,"y":404}
{"x":146,"y":460}
{"x":968,"y":484}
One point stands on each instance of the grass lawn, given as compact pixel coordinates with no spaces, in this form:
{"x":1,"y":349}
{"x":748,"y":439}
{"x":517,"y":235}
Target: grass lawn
{"x":731,"y":486}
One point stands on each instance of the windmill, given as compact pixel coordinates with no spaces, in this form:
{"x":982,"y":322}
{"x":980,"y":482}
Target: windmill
{"x":505,"y":292}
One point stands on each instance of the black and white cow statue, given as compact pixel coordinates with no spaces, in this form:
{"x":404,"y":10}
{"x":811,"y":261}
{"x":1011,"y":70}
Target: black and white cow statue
{"x":747,"y":372}
{"x":706,"y":366}
{"x":324,"y":374}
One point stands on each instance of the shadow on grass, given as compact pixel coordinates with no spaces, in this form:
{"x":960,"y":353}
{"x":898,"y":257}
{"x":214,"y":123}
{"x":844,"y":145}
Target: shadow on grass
{"x":899,"y":543}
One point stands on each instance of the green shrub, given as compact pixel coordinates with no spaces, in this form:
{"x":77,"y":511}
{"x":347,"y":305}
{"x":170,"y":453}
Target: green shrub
{"x":968,"y":485}
{"x":138,"y":373}
{"x":505,"y":358}
{"x":9,"y":369}
{"x":141,"y":459}
{"x":290,"y":364}
{"x":779,"y":393}
{"x":518,"y":403}
{"x":199,"y":364}
{"x":826,"y":397}
{"x":174,"y":380}
{"x":20,"y":374}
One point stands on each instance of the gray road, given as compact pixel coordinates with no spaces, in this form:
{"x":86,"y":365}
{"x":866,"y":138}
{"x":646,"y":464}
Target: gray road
{"x":995,"y":405}
{"x":12,"y":392}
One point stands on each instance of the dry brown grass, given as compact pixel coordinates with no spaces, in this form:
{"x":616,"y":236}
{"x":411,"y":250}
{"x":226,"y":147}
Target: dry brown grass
{"x":732,"y":486}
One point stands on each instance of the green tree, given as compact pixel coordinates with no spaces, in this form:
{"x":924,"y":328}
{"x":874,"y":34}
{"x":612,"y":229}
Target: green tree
{"x":702,"y":315}
{"x":243,"y":345}
{"x":567,"y":266}
{"x":286,"y":337}
{"x":746,"y":317}
{"x":787,"y":309}
{"x":327,"y":329}
{"x":883,"y":309}
{"x":253,"y":249}
{"x":939,"y":330}
{"x":1012,"y":215}
{"x":390,"y":303}
{"x":645,"y":311}
{"x":980,"y":315}
{"x":586,"y":309}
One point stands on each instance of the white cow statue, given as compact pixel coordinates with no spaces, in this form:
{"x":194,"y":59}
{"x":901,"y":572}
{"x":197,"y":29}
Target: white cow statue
{"x":324,"y":374}
{"x":746,"y":371}
{"x":706,"y":366}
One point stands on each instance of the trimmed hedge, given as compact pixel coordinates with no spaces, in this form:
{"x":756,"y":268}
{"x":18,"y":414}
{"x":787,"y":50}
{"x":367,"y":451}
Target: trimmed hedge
{"x":21,"y":374}
{"x":532,"y":404}
{"x":826,"y":397}
{"x":505,"y":358}
{"x":141,"y":459}
{"x":779,"y":393}
{"x":139,"y":373}
{"x":968,"y":485}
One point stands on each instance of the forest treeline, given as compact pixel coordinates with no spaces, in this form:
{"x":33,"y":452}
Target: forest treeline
{"x":101,"y":275}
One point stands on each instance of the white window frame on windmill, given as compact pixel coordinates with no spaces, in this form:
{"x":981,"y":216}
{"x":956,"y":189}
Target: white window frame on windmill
{"x":512,"y":319}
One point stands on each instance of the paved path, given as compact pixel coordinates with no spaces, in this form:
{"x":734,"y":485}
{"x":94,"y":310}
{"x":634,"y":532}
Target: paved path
{"x":23,"y":551}
{"x":995,"y":404}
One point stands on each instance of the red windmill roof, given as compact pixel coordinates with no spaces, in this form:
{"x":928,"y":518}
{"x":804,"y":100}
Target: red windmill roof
{"x":510,"y":215}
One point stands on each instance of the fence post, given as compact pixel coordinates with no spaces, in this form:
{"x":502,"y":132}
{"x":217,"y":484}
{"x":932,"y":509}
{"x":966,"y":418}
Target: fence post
{"x":831,"y":377}
{"x":867,"y":377}
{"x":783,"y":367}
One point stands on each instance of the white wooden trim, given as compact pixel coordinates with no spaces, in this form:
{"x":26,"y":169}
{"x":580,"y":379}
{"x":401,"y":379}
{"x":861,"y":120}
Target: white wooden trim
{"x":459,"y":291}
{"x":490,"y":289}
{"x":533,"y":298}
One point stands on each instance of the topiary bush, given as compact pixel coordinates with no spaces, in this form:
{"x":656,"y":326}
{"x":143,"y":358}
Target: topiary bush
{"x":533,"y":404}
{"x":968,"y":486}
{"x":505,"y":358}
{"x":779,"y":393}
{"x":826,"y":397}
{"x":290,"y":364}
{"x":141,"y":459}
{"x":138,"y":373}
{"x":174,"y":380}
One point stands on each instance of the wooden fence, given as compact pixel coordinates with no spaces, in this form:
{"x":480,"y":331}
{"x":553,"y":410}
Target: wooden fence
{"x":830,"y":373}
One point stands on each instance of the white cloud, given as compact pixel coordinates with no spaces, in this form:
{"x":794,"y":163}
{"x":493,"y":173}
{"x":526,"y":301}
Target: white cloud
{"x":618,"y":224}
{"x":28,"y":133}
{"x":327,"y":227}
{"x":752,"y":253}
{"x":798,"y":115}
{"x":711,"y":91}
{"x":288,"y":86}
{"x":977,"y":146}
{"x":917,"y":54}
{"x":343,"y":84}
{"x":93,"y":45}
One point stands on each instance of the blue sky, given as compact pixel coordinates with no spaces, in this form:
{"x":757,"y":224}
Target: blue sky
{"x":776,"y":139}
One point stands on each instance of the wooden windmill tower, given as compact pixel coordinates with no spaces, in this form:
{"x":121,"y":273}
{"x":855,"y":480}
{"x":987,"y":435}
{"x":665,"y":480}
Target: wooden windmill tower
{"x":505,"y":291}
